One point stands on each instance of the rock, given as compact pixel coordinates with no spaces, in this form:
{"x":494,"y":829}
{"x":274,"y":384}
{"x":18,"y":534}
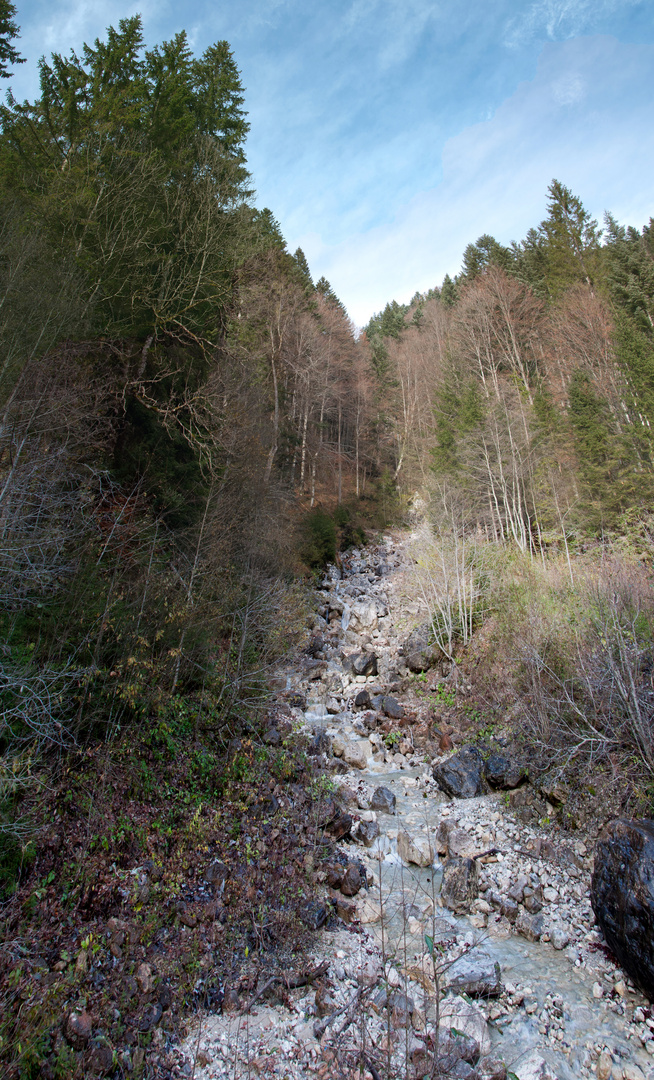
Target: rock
{"x":392,"y":708}
{"x":559,"y":937}
{"x":338,"y":745}
{"x":362,"y":700}
{"x":383,"y":800}
{"x":460,"y":885}
{"x":500,"y":772}
{"x":604,"y":1066}
{"x":622,"y":897}
{"x":475,"y":977}
{"x":530,"y":926}
{"x":459,"y":1047}
{"x":345,"y":909}
{"x":101,"y":1058}
{"x":351,"y":883}
{"x":78,"y":1029}
{"x":320,"y":744}
{"x":325,"y":1003}
{"x":313,"y":914}
{"x":460,"y":1016}
{"x":367,"y":832}
{"x":418,"y":651}
{"x":553,"y":790}
{"x":416,"y":850}
{"x":460,"y":776}
{"x":355,"y":756}
{"x":364,"y":664}
{"x":517,"y":890}
{"x":369,"y":912}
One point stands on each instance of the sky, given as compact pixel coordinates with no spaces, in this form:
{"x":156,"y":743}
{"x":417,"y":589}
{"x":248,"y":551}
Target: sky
{"x":386,"y":135}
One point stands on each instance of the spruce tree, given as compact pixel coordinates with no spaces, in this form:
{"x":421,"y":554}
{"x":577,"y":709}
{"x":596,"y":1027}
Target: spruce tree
{"x":8,"y":31}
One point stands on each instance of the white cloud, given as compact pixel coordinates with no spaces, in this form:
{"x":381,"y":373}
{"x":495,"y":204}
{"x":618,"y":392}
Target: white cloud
{"x":495,"y":174}
{"x":560,"y":19}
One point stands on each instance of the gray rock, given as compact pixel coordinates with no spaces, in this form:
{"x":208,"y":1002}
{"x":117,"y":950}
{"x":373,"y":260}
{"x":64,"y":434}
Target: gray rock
{"x":460,"y":884}
{"x":313,"y":914}
{"x":491,"y":1068}
{"x":418,"y":650}
{"x":383,"y":800}
{"x":460,"y":776}
{"x":559,"y":937}
{"x":367,"y":832}
{"x":362,"y":700}
{"x":364,"y":664}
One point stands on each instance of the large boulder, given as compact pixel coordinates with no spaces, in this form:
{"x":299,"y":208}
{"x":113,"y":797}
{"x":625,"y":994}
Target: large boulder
{"x":354,"y":755}
{"x":364,"y":663}
{"x":414,"y":849}
{"x":460,"y":885}
{"x":363,"y":615}
{"x":622,"y":895}
{"x":460,"y":776}
{"x":383,"y":800}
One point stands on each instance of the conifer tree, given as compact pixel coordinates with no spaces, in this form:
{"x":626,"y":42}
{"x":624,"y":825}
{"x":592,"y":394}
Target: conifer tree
{"x":8,"y":31}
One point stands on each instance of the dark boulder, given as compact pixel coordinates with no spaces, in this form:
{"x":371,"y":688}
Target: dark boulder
{"x":340,"y":826}
{"x":313,"y":914}
{"x":383,"y":800}
{"x":500,"y":772}
{"x":320,"y":744}
{"x":460,"y":885}
{"x":367,"y":832}
{"x":622,"y":895}
{"x":460,"y":776}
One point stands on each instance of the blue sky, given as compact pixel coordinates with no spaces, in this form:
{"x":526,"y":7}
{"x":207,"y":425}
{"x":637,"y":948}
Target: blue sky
{"x":388,"y":134}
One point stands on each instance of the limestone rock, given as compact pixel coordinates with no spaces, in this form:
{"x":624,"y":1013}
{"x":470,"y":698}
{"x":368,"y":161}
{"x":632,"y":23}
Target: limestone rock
{"x":355,"y":756}
{"x":459,"y":1015}
{"x":460,"y":884}
{"x":416,"y":849}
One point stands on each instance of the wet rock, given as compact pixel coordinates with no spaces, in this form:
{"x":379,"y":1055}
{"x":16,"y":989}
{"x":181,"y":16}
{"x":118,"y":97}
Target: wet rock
{"x":313,"y":914}
{"x":362,"y":700}
{"x":355,"y":756}
{"x":392,"y":708}
{"x":416,"y":850}
{"x":475,"y":977}
{"x":622,"y":896}
{"x":418,"y":651}
{"x":530,"y":926}
{"x":460,"y":886}
{"x":364,"y":664}
{"x":383,"y":800}
{"x":460,"y":776}
{"x":500,"y":772}
{"x":78,"y":1029}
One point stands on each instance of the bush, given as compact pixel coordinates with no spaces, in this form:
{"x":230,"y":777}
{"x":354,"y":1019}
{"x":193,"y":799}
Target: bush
{"x":319,"y":540}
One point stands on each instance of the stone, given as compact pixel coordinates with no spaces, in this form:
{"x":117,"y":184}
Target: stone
{"x":459,"y":1047}
{"x":476,"y":977}
{"x":338,"y":745}
{"x":632,"y":1072}
{"x":622,"y":897}
{"x":362,"y":700}
{"x":517,"y":890}
{"x":416,"y":850}
{"x":144,"y":978}
{"x":313,"y":914}
{"x":150,"y":1017}
{"x":355,"y":756}
{"x":364,"y":664}
{"x":400,"y":1007}
{"x":320,"y":744}
{"x":369,"y":912}
{"x":367,"y":832}
{"x":501,"y":772}
{"x":460,"y":776}
{"x":553,"y":790}
{"x":383,"y":800}
{"x":362,"y":616}
{"x":604,"y":1066}
{"x":530,"y":926}
{"x":78,"y":1029}
{"x":457,"y":1015}
{"x":345,"y":909}
{"x":460,"y":885}
{"x":392,"y":708}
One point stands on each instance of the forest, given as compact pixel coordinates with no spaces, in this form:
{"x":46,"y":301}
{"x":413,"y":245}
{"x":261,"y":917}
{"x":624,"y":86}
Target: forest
{"x":192,"y":428}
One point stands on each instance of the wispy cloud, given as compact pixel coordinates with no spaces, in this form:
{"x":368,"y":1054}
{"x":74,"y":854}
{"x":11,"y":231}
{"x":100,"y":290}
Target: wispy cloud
{"x":558,"y":20}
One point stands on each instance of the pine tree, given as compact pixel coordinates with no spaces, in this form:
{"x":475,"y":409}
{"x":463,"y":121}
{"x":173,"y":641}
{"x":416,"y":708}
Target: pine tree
{"x":571,"y":241}
{"x":487,"y":251}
